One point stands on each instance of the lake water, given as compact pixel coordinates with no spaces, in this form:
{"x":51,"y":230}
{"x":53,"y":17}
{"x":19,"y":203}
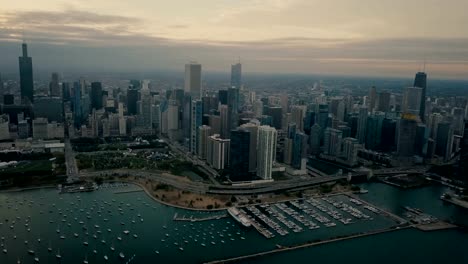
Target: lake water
{"x":162,"y":240}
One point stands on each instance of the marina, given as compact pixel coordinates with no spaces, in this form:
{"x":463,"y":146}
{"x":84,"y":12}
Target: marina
{"x":296,"y":216}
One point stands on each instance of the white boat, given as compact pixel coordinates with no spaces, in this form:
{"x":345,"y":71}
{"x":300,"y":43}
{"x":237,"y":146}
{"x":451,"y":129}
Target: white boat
{"x":106,"y":258}
{"x":239,"y":217}
{"x":121,"y":255}
{"x":58,"y":254}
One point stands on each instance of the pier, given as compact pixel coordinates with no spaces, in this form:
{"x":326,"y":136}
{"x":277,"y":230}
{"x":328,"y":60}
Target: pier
{"x":281,"y":248}
{"x":194,"y":219}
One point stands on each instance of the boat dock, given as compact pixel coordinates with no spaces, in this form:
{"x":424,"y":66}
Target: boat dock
{"x":195,"y":219}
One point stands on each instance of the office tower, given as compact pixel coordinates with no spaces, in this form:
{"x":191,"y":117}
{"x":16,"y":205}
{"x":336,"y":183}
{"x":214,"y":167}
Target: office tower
{"x":276,"y":113}
{"x":420,"y":80}
{"x":406,"y":135}
{"x":196,"y":114}
{"x":77,"y":111}
{"x":253,"y":129}
{"x":288,"y":151}
{"x":155,"y":117}
{"x":258,"y":108}
{"x":215,"y":124}
{"x":172,"y":116}
{"x":49,"y":107}
{"x":444,"y":140}
{"x":236,"y":75}
{"x":309,"y":121}
{"x":299,"y":150}
{"x":362,"y":125}
{"x":420,"y":140}
{"x":203,"y":133}
{"x":217,"y":155}
{"x":350,"y":150}
{"x":4,"y":127}
{"x":193,"y":80}
{"x":372,"y":98}
{"x":374,"y":130}
{"x":298,"y":113}
{"x":384,"y":102}
{"x":39,"y":127}
{"x":284,"y":102}
{"x":233,"y":104}
{"x":458,"y":120}
{"x":322,"y":117}
{"x":239,"y":156}
{"x":145,"y":107}
{"x":185,"y":116}
{"x":266,"y":120}
{"x":223,"y":97}
{"x":266,"y":151}
{"x":96,"y":95}
{"x":315,"y":134}
{"x":224,"y":118}
{"x":332,"y":142}
{"x":434,"y":120}
{"x":26,"y":76}
{"x":411,"y":101}
{"x":132,"y":99}
{"x":54,"y":86}
{"x":66,"y":93}
{"x":292,"y":130}
{"x":387,"y":142}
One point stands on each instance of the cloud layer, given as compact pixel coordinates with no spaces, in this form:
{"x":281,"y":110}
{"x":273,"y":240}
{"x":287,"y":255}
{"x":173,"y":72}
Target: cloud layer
{"x":74,"y":39}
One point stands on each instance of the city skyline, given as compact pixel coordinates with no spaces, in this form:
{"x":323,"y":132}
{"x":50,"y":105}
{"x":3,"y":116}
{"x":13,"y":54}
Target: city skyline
{"x":352,"y":38}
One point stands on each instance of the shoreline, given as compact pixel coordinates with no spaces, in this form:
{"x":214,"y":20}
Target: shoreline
{"x":169,"y":204}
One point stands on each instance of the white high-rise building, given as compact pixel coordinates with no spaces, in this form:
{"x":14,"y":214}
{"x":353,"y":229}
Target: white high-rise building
{"x":193,"y":80}
{"x":332,"y":142}
{"x":266,"y":151}
{"x":217,"y":154}
{"x":350,"y":150}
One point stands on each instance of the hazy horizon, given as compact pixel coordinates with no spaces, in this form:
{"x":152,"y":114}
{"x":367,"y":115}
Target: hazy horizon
{"x":351,"y":38}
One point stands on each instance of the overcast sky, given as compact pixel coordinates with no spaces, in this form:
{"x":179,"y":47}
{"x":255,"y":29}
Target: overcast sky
{"x":352,"y":37}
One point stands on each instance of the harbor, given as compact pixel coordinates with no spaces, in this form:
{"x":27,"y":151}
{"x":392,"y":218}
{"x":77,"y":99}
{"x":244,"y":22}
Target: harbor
{"x":295,"y":216}
{"x":108,"y":227}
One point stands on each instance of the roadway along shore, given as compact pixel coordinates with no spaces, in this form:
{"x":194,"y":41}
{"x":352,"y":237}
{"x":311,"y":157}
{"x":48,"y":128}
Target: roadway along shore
{"x":204,"y":188}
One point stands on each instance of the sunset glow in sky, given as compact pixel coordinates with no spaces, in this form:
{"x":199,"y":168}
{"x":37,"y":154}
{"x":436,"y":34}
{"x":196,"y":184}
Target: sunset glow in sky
{"x":356,"y":37}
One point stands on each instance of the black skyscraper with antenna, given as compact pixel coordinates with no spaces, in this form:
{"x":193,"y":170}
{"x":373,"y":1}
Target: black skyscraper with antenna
{"x":26,"y":76}
{"x":421,"y":81}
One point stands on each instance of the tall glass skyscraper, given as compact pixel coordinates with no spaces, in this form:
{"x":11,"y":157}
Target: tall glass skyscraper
{"x":236,"y":75}
{"x":421,"y":81}
{"x":193,"y":80}
{"x":26,"y":76}
{"x":240,"y":154}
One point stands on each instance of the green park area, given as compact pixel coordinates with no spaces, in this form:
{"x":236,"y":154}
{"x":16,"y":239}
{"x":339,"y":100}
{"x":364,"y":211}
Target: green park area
{"x":140,"y":161}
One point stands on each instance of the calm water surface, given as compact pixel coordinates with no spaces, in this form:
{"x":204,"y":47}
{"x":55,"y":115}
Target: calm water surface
{"x":162,"y":240}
